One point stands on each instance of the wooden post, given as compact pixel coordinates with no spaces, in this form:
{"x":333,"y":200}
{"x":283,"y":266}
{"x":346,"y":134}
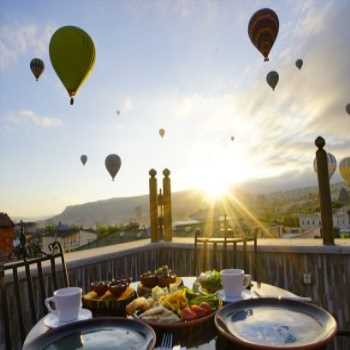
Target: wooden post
{"x":153,"y":205}
{"x":168,"y":229}
{"x":325,"y":192}
{"x":160,"y":216}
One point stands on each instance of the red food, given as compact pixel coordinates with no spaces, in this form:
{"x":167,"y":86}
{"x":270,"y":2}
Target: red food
{"x":206,"y":307}
{"x":187,"y":314}
{"x":199,"y":311}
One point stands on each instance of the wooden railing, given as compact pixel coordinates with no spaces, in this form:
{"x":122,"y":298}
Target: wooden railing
{"x":281,"y":263}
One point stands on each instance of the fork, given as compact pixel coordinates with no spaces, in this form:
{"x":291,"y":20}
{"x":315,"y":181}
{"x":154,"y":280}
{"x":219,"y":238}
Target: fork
{"x":167,"y":342}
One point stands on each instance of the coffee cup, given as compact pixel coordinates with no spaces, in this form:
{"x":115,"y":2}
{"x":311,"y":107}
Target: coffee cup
{"x":234,"y":281}
{"x":67,"y":303}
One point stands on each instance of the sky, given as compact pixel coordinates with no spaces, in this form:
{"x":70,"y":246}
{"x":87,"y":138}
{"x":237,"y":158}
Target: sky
{"x":185,"y":66}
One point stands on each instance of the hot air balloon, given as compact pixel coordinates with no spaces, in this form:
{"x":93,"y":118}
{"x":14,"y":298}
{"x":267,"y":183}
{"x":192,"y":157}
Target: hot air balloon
{"x":332,"y":164}
{"x":37,"y":67}
{"x":83,"y":159}
{"x":347,"y":108}
{"x":272,"y":79}
{"x":344,"y":169}
{"x":161,"y":133}
{"x":72,"y":54}
{"x":299,"y":63}
{"x":113,"y":164}
{"x":232,"y":138}
{"x":263,"y":29}
{"x":118,"y":112}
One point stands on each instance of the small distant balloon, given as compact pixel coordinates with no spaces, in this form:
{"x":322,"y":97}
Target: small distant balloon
{"x":161,"y":133}
{"x":332,"y":164}
{"x":113,"y":164}
{"x":37,"y":67}
{"x":344,"y":169}
{"x":263,"y":30}
{"x":118,"y":112}
{"x":83,"y":159}
{"x":232,"y":138}
{"x":272,"y":79}
{"x":347,"y":108}
{"x":299,"y":63}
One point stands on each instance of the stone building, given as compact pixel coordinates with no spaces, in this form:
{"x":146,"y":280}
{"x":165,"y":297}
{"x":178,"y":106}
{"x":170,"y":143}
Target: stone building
{"x":70,"y":239}
{"x":7,"y":234}
{"x":341,"y":219}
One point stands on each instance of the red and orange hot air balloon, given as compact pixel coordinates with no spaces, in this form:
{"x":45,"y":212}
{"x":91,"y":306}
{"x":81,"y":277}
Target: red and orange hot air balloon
{"x":263,"y":29}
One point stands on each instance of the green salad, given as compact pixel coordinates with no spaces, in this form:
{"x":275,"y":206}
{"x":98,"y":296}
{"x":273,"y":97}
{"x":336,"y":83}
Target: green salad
{"x":210,"y":281}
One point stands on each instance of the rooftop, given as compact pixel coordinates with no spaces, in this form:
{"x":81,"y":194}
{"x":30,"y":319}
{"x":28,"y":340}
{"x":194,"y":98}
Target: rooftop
{"x":5,"y":221}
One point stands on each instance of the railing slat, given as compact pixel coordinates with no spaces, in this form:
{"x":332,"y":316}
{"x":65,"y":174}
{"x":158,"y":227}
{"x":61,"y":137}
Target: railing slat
{"x":225,"y":253}
{"x":4,"y":308}
{"x":215,"y":264}
{"x":53,"y":271}
{"x":30,"y":294}
{"x":18,"y":304}
{"x":205,"y":255}
{"x":41,"y":285}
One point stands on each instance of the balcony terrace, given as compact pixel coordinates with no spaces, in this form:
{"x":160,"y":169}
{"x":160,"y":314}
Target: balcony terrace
{"x":279,"y":262}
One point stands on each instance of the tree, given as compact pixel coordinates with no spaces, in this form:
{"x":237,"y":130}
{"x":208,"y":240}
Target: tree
{"x":50,"y":229}
{"x":102,"y":230}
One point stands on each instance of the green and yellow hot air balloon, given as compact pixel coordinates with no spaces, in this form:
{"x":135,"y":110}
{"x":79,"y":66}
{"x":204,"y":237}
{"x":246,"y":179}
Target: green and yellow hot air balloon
{"x":72,"y":54}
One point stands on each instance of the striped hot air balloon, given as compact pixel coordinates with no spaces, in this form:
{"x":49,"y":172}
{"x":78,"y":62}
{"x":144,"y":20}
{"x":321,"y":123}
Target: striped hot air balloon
{"x":344,"y":169}
{"x":263,"y":29}
{"x":37,"y":67}
{"x":332,"y":164}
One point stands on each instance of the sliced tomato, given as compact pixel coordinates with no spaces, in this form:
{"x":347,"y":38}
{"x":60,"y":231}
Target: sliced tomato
{"x":200,"y":312}
{"x":187,"y":314}
{"x":206,"y":307}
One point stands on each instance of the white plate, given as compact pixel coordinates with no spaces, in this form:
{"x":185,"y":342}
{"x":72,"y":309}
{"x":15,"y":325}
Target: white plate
{"x":51,"y":319}
{"x":246,"y":294}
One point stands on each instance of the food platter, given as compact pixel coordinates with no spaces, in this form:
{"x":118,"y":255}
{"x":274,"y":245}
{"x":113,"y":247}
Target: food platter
{"x":159,"y":299}
{"x":171,"y":305}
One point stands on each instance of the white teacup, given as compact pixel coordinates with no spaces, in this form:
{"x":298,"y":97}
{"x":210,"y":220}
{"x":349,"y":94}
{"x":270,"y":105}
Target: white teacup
{"x":67,"y":303}
{"x":234,"y":281}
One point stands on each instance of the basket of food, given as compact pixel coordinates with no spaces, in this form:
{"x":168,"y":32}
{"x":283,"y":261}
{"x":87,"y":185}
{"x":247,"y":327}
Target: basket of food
{"x":179,"y":308}
{"x":109,"y":298}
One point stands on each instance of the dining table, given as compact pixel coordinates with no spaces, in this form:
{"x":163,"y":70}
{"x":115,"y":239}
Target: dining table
{"x":204,"y":336}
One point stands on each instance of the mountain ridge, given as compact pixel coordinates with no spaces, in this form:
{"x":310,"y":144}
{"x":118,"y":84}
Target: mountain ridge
{"x":121,"y":210}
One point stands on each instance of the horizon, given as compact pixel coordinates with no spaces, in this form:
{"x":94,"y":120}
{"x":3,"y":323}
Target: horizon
{"x":271,"y":191}
{"x":186,"y":67}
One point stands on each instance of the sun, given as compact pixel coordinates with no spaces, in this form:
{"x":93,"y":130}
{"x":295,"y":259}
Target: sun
{"x":214,"y":188}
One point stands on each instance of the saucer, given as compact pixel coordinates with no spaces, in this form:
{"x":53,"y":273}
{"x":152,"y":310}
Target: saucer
{"x":246,"y":294}
{"x":51,"y":319}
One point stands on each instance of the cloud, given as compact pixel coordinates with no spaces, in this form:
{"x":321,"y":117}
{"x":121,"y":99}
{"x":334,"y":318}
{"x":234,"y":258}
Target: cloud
{"x":32,"y":117}
{"x":18,"y":39}
{"x":274,"y":131}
